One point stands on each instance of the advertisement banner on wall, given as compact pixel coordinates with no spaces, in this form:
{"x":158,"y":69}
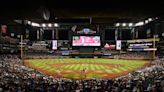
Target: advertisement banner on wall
{"x":118,"y":45}
{"x":3,"y":29}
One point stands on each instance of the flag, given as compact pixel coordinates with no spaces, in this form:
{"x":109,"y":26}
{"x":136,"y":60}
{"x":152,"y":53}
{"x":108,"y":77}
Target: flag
{"x":74,"y":28}
{"x":107,"y":45}
{"x":118,"y":45}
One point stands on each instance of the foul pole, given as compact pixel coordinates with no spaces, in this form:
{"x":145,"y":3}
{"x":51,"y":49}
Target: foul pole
{"x":22,"y":48}
{"x":154,"y":47}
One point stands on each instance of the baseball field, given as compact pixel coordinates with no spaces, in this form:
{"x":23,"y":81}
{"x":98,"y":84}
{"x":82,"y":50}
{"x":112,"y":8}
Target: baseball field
{"x":85,"y":68}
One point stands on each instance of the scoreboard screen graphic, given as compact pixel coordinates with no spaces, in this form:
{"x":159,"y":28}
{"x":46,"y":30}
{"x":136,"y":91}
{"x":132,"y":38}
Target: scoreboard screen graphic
{"x":86,"y":41}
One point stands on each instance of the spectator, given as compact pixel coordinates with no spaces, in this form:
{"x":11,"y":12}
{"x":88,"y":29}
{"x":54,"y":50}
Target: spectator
{"x":14,"y":77}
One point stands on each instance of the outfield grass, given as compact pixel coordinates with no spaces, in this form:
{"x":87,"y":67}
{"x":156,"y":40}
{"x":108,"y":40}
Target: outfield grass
{"x":85,"y":68}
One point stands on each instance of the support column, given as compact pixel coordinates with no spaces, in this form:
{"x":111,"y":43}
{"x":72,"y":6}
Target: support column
{"x":38,"y":35}
{"x":102,"y":36}
{"x":116,"y":34}
{"x":57,"y":34}
{"x":136,"y":34}
{"x":53,"y":34}
{"x":120,"y":34}
{"x":132,"y":33}
{"x":98,"y":28}
{"x":41,"y":31}
{"x":69,"y":38}
{"x":0,"y":33}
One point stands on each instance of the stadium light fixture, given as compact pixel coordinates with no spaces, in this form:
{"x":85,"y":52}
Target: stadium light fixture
{"x":146,"y":21}
{"x":56,"y":25}
{"x":43,"y":25}
{"x":163,"y":34}
{"x":139,"y":23}
{"x":157,"y":36}
{"x":117,"y":24}
{"x":49,"y":25}
{"x":150,"y":19}
{"x":28,"y":22}
{"x":35,"y":24}
{"x":130,"y":24}
{"x":123,"y":24}
{"x":12,"y":34}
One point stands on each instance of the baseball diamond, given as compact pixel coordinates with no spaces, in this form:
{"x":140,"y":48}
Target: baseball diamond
{"x":85,"y":68}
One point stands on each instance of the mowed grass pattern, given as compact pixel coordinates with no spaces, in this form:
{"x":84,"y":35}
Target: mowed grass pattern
{"x":85,"y":68}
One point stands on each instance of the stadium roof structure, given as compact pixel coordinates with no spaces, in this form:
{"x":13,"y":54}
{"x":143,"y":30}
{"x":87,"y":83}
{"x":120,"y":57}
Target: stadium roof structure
{"x":99,"y":11}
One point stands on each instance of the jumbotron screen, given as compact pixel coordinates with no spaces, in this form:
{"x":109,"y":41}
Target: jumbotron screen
{"x":86,"y":41}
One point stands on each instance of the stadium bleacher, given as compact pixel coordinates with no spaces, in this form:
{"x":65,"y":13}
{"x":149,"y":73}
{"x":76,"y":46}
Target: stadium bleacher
{"x":14,"y":77}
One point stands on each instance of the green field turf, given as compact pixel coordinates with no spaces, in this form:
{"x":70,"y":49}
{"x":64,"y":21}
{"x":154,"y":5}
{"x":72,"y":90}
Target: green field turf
{"x":85,"y":68}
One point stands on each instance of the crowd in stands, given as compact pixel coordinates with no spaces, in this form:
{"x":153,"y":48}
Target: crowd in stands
{"x":9,"y":40}
{"x":109,"y":54}
{"x":39,"y":55}
{"x":14,"y":77}
{"x":134,"y":55}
